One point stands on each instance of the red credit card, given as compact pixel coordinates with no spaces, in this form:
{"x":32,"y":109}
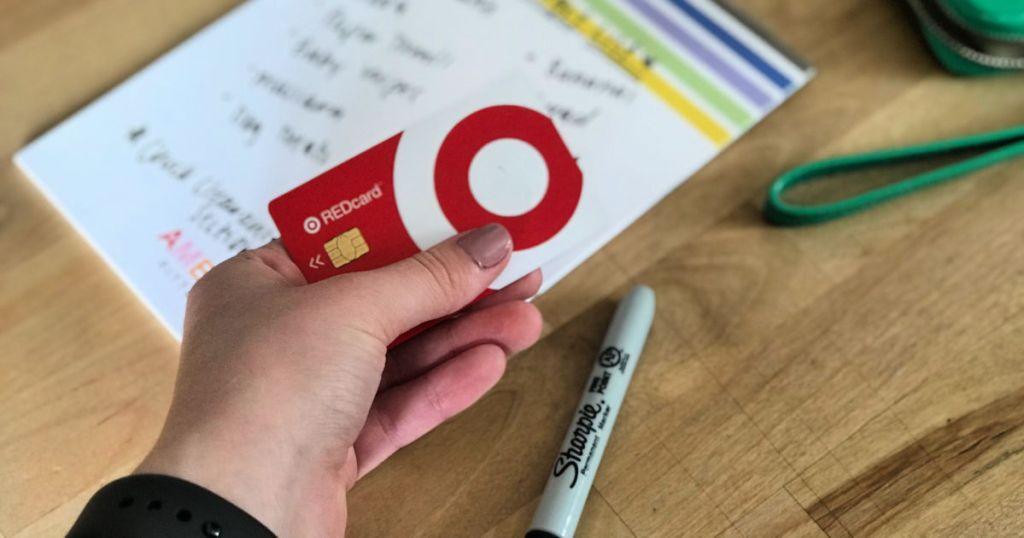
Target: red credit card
{"x":345,"y":219}
{"x":490,"y":158}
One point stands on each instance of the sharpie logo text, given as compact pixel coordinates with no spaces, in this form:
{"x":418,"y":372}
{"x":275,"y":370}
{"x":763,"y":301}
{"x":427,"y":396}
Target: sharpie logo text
{"x":584,"y":435}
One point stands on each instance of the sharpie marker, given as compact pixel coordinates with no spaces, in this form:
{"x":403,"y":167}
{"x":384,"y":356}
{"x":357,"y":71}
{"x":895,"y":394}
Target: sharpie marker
{"x":573,"y":473}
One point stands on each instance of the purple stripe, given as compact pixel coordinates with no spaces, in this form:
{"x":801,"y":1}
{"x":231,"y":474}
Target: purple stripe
{"x":724,"y":70}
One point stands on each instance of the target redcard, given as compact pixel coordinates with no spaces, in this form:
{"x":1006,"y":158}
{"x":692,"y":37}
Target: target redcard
{"x":493,"y":157}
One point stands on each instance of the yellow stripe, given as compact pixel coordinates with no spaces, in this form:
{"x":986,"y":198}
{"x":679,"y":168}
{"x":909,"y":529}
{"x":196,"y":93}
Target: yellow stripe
{"x":634,"y":64}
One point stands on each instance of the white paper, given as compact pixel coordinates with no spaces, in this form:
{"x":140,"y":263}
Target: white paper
{"x":172,"y":171}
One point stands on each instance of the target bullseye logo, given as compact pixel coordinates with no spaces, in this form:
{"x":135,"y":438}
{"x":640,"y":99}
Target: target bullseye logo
{"x":311,"y":225}
{"x":469,"y":136}
{"x":445,"y":204}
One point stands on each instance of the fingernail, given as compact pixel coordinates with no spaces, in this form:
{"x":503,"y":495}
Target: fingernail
{"x":487,"y":245}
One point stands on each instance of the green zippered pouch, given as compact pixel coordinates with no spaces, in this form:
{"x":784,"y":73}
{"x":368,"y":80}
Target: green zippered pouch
{"x":973,"y":37}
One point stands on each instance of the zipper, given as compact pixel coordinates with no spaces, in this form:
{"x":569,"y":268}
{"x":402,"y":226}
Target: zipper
{"x":982,"y":49}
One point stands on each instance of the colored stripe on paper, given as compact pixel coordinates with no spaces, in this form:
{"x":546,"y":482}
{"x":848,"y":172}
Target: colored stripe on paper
{"x":636,"y":66}
{"x":708,"y":57}
{"x":723,"y":35}
{"x":677,"y":66}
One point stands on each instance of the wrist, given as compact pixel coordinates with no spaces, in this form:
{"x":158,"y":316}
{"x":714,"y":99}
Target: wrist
{"x":292,"y":490}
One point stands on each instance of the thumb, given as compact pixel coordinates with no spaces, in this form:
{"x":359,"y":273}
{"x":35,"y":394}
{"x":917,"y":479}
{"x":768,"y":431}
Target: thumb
{"x":433,"y":283}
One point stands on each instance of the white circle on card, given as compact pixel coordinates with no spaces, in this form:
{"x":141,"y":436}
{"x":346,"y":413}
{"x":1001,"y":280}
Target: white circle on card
{"x":508,"y":177}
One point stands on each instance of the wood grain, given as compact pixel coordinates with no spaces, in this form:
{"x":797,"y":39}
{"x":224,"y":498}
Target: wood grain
{"x":865,"y":377}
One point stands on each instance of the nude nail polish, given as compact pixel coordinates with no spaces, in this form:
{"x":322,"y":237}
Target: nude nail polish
{"x":487,"y":245}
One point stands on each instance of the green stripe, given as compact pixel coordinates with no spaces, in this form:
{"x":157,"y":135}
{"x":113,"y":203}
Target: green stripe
{"x":679,"y":68}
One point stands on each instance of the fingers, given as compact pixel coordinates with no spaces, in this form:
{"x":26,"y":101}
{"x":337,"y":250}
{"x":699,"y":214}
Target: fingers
{"x":274,"y":257}
{"x":265,"y":267}
{"x":428,"y":285}
{"x":520,"y":290}
{"x":512,"y":326}
{"x":406,"y":412}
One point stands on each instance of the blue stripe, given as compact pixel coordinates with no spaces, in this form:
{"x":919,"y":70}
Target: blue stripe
{"x":736,"y":45}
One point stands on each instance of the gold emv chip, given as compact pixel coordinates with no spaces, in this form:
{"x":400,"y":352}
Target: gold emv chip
{"x":346,"y":247}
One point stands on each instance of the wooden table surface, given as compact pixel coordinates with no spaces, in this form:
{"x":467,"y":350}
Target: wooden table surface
{"x":864,"y":377}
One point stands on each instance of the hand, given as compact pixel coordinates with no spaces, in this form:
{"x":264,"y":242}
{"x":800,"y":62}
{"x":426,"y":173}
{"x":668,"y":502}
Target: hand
{"x":287,"y":393}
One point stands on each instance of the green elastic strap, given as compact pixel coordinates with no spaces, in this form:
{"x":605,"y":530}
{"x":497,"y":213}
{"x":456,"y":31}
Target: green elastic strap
{"x":998,"y":146}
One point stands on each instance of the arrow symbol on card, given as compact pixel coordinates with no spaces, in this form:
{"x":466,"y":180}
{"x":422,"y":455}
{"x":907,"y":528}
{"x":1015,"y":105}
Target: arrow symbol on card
{"x":316,"y":262}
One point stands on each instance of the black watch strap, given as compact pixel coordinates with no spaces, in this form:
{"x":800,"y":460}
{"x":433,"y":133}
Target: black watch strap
{"x":150,"y":505}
